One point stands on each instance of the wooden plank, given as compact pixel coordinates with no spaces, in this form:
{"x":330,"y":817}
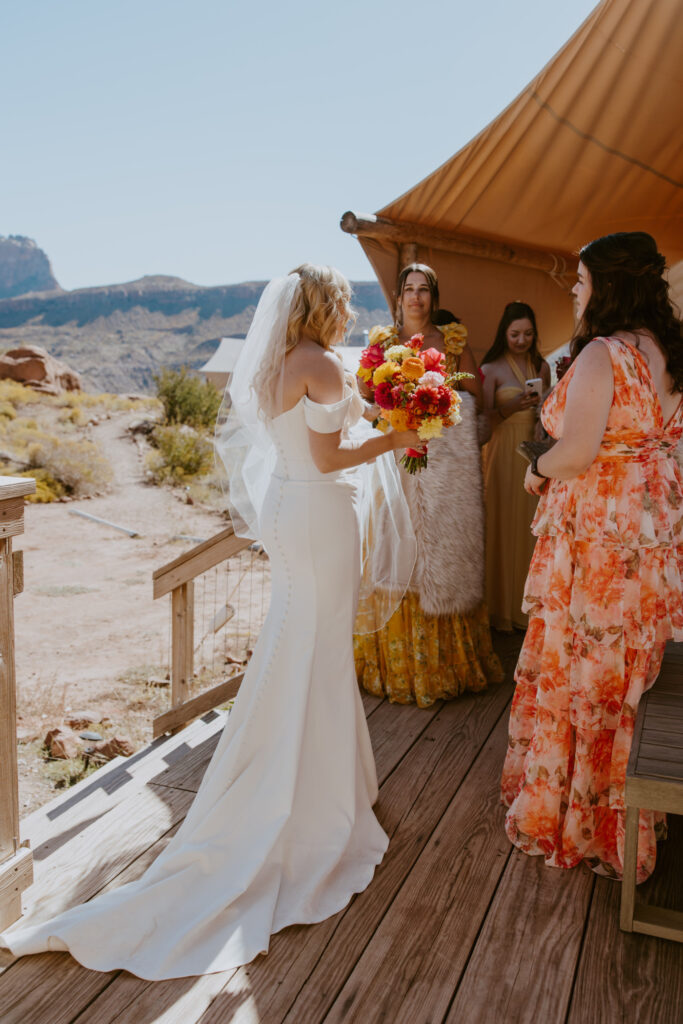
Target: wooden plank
{"x":368,"y":224}
{"x":130,"y":1000}
{"x":393,"y":730}
{"x":655,"y":793}
{"x":667,"y":753}
{"x":187,"y":773}
{"x":11,"y":517}
{"x":16,"y":874}
{"x":196,"y":706}
{"x":197,"y":560}
{"x":659,"y":921}
{"x":16,"y":486}
{"x":182,"y":642}
{"x":9,"y":781}
{"x":628,"y":977}
{"x":410,"y":967}
{"x":94,"y":855}
{"x":661,"y":732}
{"x":47,"y":988}
{"x":52,"y":825}
{"x":539,"y":913}
{"x":17,"y":572}
{"x":307,"y":966}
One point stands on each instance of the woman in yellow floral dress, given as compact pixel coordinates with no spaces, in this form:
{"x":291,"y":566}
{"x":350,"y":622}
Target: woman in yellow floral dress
{"x":604,"y":590}
{"x":438,"y":642}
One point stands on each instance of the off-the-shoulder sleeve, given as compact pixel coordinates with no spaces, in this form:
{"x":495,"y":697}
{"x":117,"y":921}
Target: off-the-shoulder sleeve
{"x":325,"y":419}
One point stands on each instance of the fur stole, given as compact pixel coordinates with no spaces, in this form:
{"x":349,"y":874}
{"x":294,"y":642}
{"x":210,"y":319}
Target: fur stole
{"x":447,"y":511}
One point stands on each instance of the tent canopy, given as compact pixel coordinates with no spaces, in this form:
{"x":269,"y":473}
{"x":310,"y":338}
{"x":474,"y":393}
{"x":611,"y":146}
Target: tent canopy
{"x":221,"y":364}
{"x":592,"y":145}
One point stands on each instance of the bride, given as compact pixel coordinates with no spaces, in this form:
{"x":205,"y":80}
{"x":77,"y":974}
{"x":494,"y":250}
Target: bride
{"x":282,"y":829}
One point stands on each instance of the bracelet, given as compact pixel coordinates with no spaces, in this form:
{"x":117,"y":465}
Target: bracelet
{"x":534,"y":466}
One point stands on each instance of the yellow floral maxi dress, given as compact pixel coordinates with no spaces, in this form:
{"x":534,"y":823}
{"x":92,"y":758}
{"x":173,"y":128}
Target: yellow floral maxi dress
{"x":437,"y":644}
{"x":603,"y":595}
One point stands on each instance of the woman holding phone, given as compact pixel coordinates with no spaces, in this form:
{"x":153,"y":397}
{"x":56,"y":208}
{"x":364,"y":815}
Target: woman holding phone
{"x":515,"y":378}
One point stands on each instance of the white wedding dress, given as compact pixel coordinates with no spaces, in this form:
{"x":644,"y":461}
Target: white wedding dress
{"x":282,"y":829}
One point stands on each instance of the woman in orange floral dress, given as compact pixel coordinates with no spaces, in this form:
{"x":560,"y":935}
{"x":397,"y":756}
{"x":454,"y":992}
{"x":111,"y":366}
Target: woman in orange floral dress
{"x":604,"y":590}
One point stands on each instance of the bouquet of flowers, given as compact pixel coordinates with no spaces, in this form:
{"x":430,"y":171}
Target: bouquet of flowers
{"x":413,"y":390}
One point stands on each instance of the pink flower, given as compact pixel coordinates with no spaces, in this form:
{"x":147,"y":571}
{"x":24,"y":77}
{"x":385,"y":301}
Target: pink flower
{"x":384,"y":395}
{"x":372,"y":356}
{"x":433,"y":360}
{"x":432,"y":378}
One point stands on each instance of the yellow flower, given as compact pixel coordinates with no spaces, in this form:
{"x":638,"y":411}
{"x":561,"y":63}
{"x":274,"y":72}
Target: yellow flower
{"x":430,"y":428}
{"x":398,"y":419}
{"x":382,"y":425}
{"x":364,"y":372}
{"x":454,"y":338}
{"x":384,"y":372}
{"x":381,"y":335}
{"x":413,"y":368}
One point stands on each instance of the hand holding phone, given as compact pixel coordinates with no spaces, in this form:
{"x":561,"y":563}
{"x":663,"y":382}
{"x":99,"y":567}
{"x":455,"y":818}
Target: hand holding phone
{"x":534,"y":386}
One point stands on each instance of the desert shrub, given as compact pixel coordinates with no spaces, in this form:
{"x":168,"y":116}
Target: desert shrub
{"x":181,"y":453}
{"x":187,"y":399}
{"x":47,"y":488}
{"x":15,"y":394}
{"x":78,"y":465}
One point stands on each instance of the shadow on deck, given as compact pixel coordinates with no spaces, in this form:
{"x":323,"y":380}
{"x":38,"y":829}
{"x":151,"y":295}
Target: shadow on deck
{"x":456,"y":926}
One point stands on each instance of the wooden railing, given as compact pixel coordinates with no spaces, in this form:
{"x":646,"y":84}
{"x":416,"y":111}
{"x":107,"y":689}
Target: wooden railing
{"x":177,"y":578}
{"x":16,"y":860}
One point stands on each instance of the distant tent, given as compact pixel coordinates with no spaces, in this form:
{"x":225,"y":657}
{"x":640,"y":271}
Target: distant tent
{"x":592,"y":145}
{"x":222,"y":362}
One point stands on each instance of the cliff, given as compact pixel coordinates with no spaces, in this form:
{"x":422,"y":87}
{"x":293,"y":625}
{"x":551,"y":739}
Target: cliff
{"x":118,"y":336}
{"x":24,"y":267}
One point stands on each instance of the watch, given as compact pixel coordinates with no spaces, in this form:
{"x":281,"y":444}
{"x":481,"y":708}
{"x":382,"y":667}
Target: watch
{"x":534,"y":466}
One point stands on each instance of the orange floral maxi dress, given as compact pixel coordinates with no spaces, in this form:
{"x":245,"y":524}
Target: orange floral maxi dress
{"x":603,"y":596}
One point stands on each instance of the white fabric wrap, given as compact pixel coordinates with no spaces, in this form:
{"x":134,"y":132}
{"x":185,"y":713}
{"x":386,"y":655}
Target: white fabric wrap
{"x":325,"y":419}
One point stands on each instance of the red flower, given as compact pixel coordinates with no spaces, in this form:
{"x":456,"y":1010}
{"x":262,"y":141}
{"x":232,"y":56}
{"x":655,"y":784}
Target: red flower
{"x":433,"y":360}
{"x":397,"y":394}
{"x":416,"y":342}
{"x":372,"y":357}
{"x":426,"y":399}
{"x":384,"y":395}
{"x":443,"y":406}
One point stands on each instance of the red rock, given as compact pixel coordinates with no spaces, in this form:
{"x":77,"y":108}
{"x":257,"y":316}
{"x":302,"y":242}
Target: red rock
{"x":36,"y":368}
{"x":114,"y":747}
{"x":62,"y":743}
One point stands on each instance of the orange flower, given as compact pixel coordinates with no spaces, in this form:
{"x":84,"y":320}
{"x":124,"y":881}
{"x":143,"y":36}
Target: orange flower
{"x":413,"y":368}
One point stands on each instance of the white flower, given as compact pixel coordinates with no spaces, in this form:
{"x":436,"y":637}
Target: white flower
{"x":432,"y":378}
{"x":398,"y":352}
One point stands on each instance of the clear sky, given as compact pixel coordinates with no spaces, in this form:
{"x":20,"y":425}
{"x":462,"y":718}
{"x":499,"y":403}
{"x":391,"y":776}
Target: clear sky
{"x":221,"y":140}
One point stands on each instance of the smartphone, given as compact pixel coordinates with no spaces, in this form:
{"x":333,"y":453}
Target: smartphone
{"x":534,"y":386}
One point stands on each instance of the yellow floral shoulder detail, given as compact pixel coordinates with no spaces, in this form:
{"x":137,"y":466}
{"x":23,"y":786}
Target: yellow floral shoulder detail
{"x":454,"y":338}
{"x":383,"y":336}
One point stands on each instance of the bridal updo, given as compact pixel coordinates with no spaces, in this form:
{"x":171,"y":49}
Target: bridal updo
{"x":321,"y":306}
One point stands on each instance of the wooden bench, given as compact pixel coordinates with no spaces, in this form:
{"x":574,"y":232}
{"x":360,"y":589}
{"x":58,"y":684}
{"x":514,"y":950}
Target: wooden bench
{"x":654,"y":781}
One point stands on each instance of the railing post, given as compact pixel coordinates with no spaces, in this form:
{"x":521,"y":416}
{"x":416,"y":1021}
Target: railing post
{"x":182,"y":642}
{"x":16,"y":861}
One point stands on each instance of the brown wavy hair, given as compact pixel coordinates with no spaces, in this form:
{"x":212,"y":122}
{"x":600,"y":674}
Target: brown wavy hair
{"x":630,"y":293}
{"x":516,"y":310}
{"x":432,"y":281}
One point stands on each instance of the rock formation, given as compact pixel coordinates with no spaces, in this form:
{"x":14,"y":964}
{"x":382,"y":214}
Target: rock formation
{"x":39,"y":370}
{"x":24,"y":268}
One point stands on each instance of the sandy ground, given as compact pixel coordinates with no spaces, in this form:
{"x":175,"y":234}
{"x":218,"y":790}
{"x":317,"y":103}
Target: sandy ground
{"x":88,"y":634}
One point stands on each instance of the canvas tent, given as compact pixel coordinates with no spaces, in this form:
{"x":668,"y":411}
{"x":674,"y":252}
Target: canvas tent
{"x":592,"y":145}
{"x":222,"y":362}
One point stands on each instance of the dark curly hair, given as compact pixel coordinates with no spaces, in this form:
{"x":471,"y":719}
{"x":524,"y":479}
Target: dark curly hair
{"x":516,"y":310}
{"x":630,"y":293}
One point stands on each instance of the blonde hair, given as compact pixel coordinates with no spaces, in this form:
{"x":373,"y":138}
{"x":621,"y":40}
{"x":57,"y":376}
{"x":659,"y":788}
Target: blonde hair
{"x":320,"y":305}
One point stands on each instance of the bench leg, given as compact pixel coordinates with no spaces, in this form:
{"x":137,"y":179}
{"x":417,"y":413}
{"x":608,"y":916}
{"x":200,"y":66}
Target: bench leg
{"x":628,"y":885}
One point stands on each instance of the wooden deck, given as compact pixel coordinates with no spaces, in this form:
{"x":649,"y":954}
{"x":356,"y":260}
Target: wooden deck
{"x":456,"y":926}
